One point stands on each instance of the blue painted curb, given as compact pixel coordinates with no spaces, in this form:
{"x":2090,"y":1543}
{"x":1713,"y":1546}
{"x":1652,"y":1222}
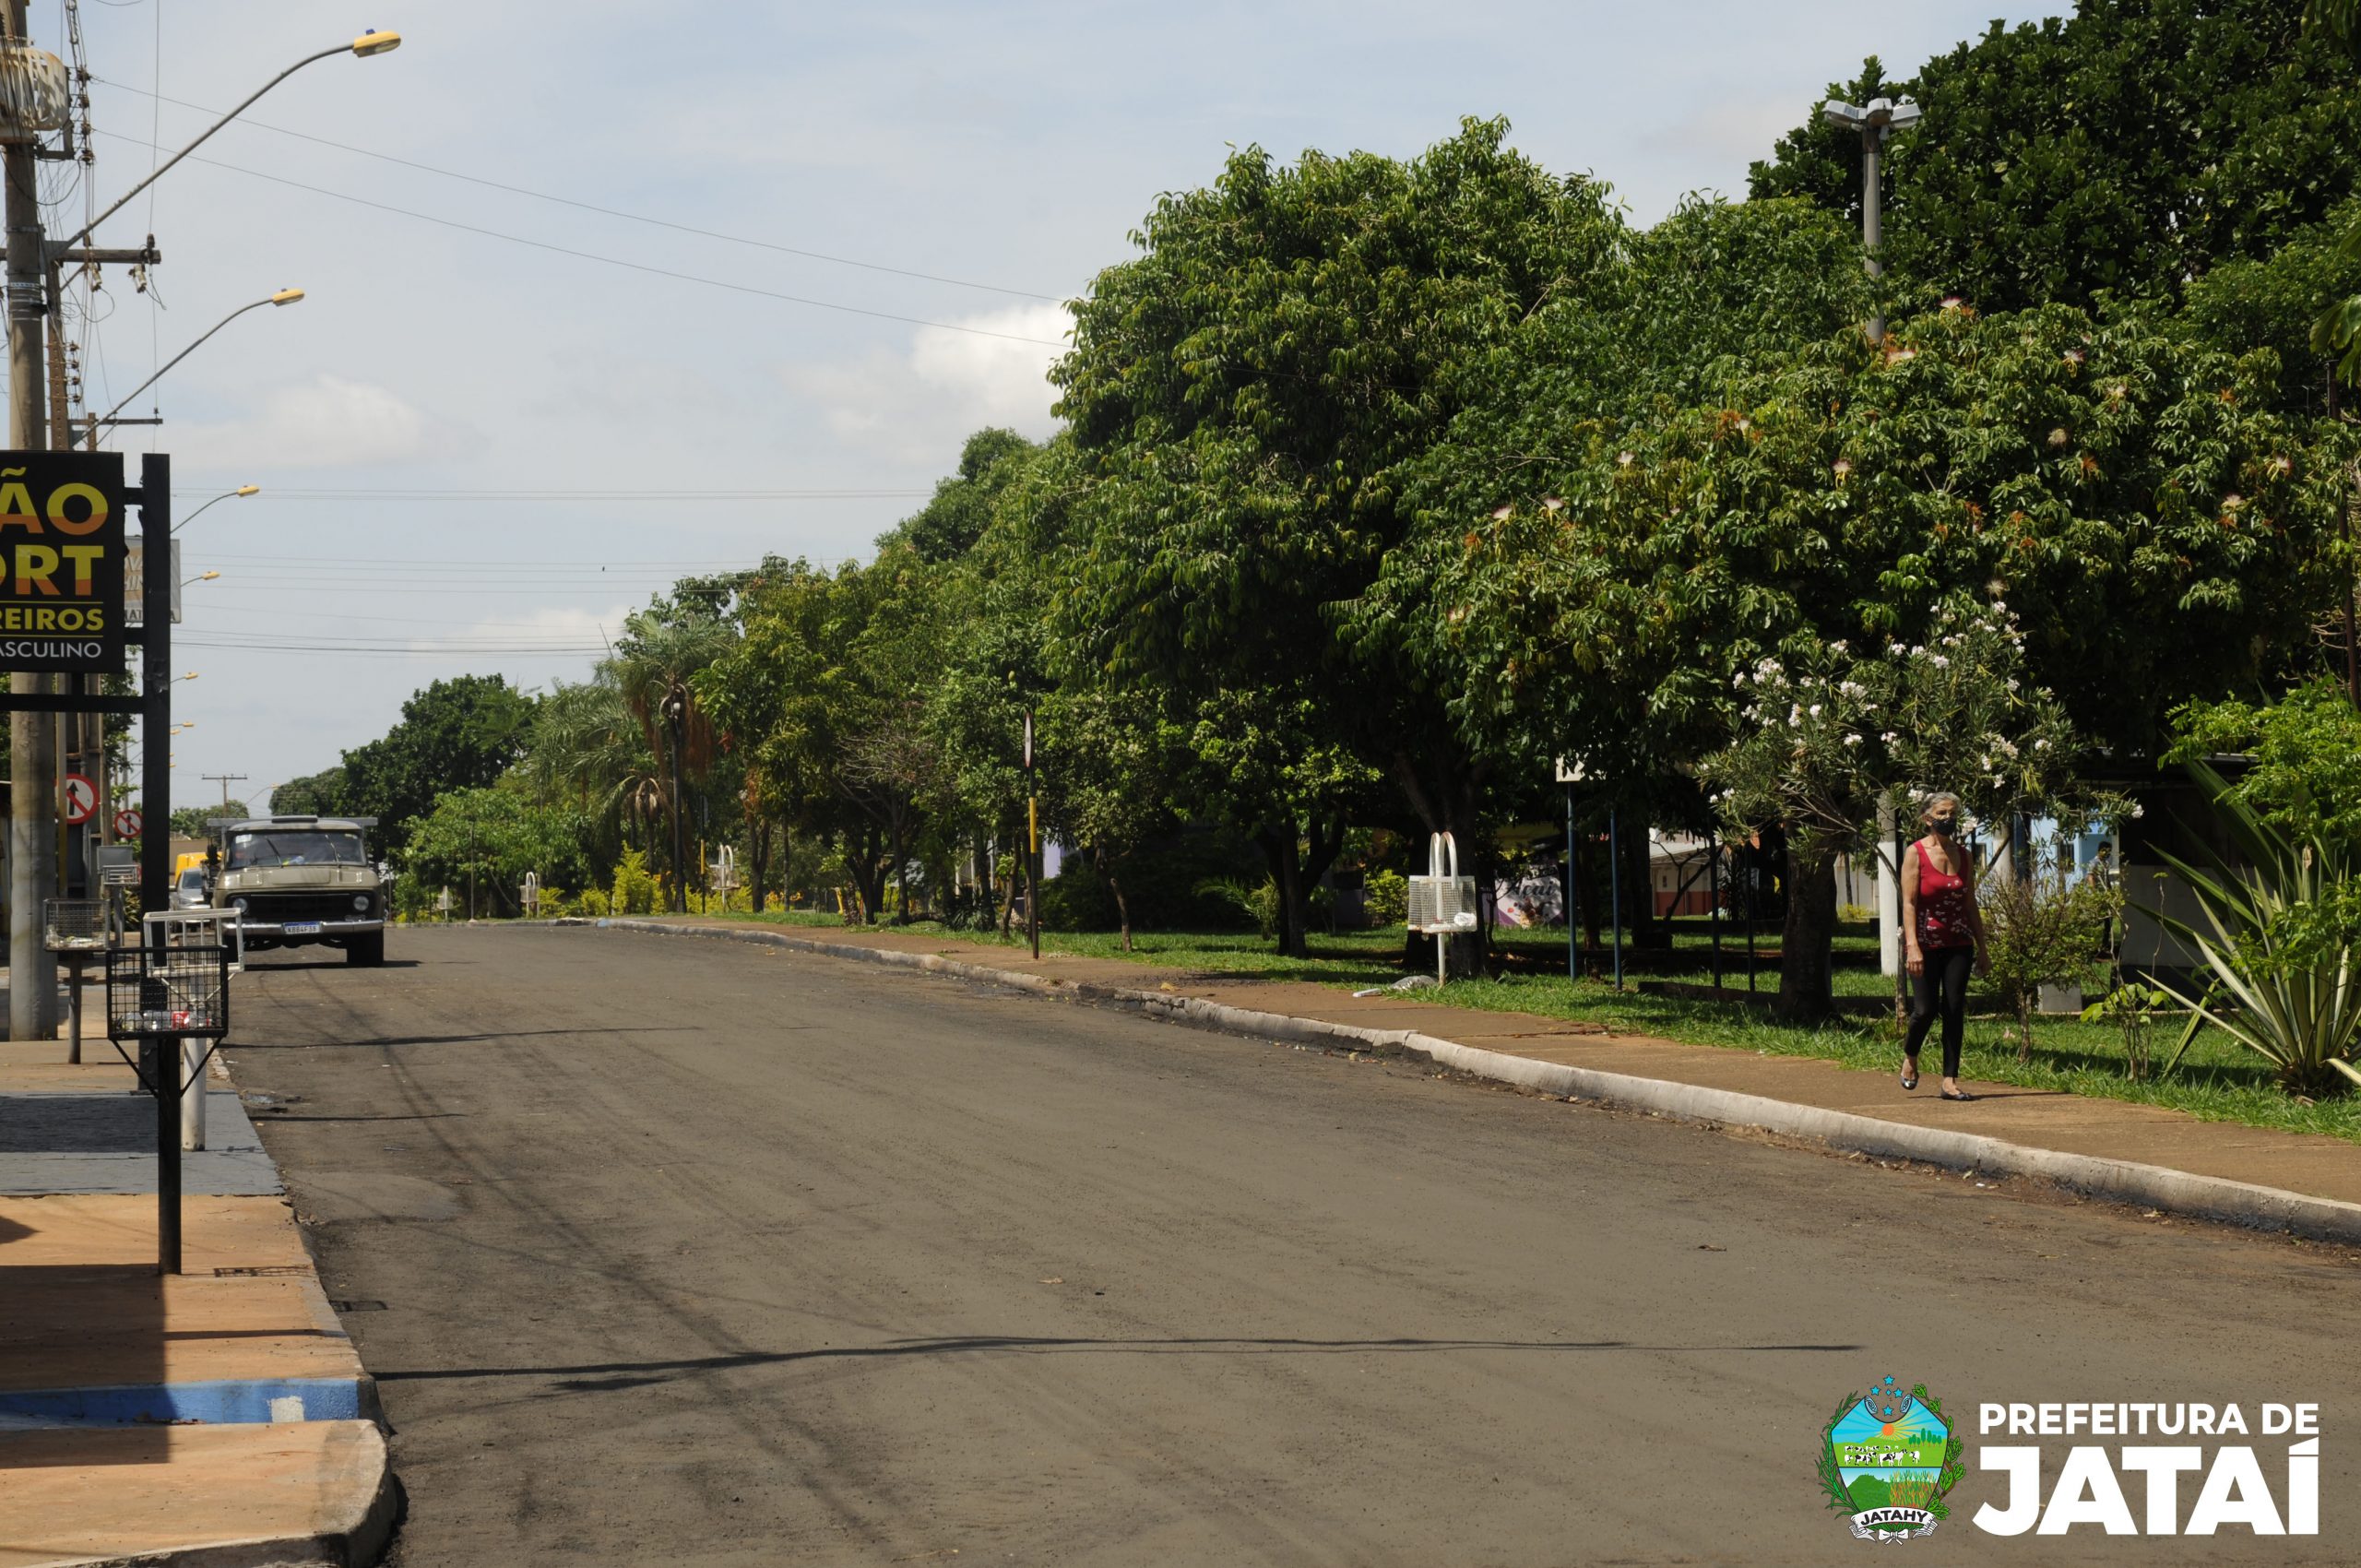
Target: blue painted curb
{"x":242,"y":1402}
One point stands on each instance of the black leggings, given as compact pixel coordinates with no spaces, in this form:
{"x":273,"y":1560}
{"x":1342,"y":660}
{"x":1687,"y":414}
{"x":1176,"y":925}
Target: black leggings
{"x":1942,"y":984}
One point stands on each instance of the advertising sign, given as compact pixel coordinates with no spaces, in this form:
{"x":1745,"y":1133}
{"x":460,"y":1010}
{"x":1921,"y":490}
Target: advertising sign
{"x":61,"y":560}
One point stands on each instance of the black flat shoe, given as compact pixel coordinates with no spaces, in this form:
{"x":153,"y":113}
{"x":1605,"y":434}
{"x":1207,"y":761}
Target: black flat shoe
{"x":1956,"y":1094}
{"x":1909,"y":1079}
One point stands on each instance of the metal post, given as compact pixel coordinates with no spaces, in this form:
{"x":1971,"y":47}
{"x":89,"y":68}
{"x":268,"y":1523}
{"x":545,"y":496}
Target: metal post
{"x":1872,"y":215}
{"x":156,"y":797}
{"x":1573,"y":915}
{"x":1714,"y":905}
{"x":1615,"y":890}
{"x":32,"y":804}
{"x":193,"y":1094}
{"x":73,"y":1011}
{"x":1753,"y":872}
{"x":1032,"y":841}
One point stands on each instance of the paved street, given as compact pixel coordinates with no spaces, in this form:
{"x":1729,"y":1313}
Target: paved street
{"x":694,"y":1252}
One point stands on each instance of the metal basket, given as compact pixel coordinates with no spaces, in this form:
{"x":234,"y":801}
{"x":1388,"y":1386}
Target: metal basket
{"x":1442,"y":900}
{"x":75,"y":925}
{"x":168,"y":993}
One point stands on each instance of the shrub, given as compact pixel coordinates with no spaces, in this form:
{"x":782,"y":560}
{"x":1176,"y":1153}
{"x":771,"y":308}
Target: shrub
{"x":2281,"y":943}
{"x":2044,"y":930}
{"x":635,"y":889}
{"x":593,"y":903}
{"x":1388,"y":897}
{"x":1077,"y":899}
{"x":1856,"y":914}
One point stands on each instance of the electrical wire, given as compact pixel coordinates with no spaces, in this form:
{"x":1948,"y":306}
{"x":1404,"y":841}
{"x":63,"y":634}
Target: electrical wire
{"x":593,"y":207}
{"x":665,"y":272}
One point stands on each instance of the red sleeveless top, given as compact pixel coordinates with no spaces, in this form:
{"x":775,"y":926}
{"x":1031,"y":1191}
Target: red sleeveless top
{"x":1942,"y":907}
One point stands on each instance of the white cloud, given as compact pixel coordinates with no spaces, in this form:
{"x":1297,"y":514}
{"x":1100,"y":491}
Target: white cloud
{"x":330,"y":423}
{"x":918,"y":405}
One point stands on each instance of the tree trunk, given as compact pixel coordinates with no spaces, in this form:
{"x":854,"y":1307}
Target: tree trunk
{"x":758,"y":851}
{"x":1122,"y":908}
{"x":1008,"y":901}
{"x":1285,"y":852}
{"x":1806,"y":938}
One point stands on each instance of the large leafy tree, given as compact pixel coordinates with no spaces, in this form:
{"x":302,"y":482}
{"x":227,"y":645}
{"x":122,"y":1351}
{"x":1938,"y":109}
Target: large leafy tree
{"x":2126,"y":148}
{"x":2154,"y":530}
{"x":485,"y":840}
{"x":456,"y":734}
{"x":1243,"y":396}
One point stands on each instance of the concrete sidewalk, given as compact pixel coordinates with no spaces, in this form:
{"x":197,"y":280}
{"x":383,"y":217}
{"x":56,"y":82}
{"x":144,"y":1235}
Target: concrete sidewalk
{"x":2160,"y":1158}
{"x":218,"y":1414}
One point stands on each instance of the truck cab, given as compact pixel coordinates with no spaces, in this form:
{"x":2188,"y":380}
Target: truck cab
{"x":301,"y":881}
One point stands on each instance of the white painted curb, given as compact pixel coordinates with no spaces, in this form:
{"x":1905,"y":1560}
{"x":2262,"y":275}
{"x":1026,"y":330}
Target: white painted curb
{"x":2119,"y":1181}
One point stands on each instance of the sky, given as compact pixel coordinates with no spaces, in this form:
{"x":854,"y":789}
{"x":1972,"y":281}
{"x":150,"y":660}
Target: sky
{"x":836,"y":242}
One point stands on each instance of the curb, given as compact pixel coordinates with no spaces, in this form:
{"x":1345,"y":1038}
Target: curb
{"x":2158,"y":1187}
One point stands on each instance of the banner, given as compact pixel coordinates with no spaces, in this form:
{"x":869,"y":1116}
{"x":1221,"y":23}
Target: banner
{"x":62,"y":537}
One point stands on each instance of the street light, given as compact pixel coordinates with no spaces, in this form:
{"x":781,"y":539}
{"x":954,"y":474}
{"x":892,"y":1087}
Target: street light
{"x":200,"y":578}
{"x":1881,"y":119}
{"x":367,"y":44}
{"x":280,"y":297}
{"x":242,"y":490}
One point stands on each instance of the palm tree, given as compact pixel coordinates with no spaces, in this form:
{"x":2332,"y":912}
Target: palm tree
{"x":651,"y":667}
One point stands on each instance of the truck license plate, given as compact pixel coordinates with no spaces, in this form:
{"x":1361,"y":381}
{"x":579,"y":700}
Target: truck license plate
{"x":302,"y":928}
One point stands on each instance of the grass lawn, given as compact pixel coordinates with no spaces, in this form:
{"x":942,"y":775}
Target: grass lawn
{"x":2218,"y":1080}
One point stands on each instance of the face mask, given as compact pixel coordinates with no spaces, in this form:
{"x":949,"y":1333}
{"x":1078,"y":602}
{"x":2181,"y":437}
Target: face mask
{"x":1945,"y":827}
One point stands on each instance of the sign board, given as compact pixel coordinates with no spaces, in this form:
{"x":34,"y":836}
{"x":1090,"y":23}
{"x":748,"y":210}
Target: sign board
{"x":135,"y":584}
{"x":127,"y":824}
{"x":1571,"y":772}
{"x":81,"y":800}
{"x":61,"y":539}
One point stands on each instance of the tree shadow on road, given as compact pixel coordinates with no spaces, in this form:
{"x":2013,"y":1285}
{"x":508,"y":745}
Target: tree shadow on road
{"x":593,"y":1376}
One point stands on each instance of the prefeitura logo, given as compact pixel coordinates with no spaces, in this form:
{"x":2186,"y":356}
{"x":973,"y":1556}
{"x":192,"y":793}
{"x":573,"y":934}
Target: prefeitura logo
{"x":1887,"y":1459}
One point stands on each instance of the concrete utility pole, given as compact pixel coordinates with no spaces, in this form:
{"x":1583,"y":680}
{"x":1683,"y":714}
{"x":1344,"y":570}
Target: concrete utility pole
{"x":32,"y":737}
{"x":225,"y":781}
{"x":1881,"y":118}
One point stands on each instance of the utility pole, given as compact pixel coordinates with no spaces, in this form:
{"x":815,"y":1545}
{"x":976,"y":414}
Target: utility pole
{"x":1881,"y":119}
{"x":32,"y":737}
{"x":1032,"y":842}
{"x":225,"y":781}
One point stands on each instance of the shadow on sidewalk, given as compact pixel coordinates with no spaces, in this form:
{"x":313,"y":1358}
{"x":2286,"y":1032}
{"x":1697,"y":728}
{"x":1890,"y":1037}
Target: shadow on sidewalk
{"x":66,"y":1328}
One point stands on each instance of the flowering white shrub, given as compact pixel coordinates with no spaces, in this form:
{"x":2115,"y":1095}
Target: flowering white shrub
{"x":1825,"y":731}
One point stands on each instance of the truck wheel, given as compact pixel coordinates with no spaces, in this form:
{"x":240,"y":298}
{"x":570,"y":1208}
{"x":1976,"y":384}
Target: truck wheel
{"x":366,"y":950}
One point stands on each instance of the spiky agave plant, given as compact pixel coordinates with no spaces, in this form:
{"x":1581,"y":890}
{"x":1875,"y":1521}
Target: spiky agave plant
{"x":2280,"y":947}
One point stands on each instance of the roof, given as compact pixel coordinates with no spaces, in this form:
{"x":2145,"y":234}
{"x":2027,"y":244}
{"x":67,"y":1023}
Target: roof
{"x":318,"y":823}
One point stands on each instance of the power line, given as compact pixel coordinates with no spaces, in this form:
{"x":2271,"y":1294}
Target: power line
{"x":617,"y":261}
{"x":593,"y":207}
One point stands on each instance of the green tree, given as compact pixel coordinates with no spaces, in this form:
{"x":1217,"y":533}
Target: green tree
{"x":456,"y":734}
{"x":314,"y":794}
{"x":2304,"y":779}
{"x":487,"y":840}
{"x":1242,"y":395}
{"x":194,"y":821}
{"x":2156,"y":533}
{"x":2125,"y":150}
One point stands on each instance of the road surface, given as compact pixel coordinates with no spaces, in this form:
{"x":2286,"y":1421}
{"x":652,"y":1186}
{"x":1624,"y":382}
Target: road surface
{"x":682,"y":1252}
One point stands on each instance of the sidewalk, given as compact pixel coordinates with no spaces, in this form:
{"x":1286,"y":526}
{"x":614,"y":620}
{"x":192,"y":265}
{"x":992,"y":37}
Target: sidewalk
{"x":2159,"y":1159}
{"x":220,"y":1413}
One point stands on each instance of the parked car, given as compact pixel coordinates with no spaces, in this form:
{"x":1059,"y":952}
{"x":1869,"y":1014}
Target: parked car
{"x":189,"y":891}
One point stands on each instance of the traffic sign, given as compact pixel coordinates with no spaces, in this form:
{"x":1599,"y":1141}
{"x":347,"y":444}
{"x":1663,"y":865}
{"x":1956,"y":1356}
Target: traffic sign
{"x":81,"y":798}
{"x":127,"y":824}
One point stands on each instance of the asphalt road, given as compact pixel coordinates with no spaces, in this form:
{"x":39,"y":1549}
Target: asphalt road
{"x":681,"y":1252}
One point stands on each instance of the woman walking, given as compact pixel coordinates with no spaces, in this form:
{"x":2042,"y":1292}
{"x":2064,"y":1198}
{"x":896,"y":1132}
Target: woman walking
{"x":1944,"y":934}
